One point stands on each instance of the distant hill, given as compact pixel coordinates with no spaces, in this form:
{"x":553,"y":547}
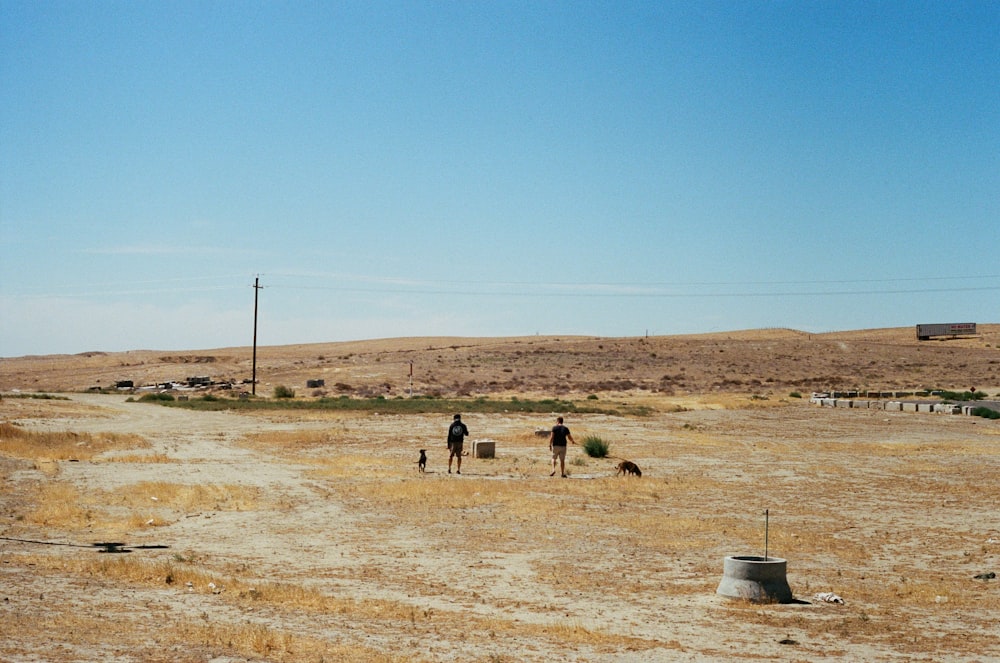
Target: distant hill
{"x":747,"y":361}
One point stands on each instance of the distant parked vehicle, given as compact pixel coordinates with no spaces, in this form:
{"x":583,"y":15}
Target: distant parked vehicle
{"x":925,"y":332}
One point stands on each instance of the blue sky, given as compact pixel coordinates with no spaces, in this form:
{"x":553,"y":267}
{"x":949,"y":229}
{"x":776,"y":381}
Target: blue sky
{"x":492,"y":168}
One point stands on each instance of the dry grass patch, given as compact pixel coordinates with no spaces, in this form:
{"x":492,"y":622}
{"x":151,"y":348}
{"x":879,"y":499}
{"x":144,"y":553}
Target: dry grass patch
{"x":852,"y":625}
{"x":281,"y":646}
{"x":177,"y":637}
{"x":49,"y":408}
{"x":62,"y":506}
{"x":184,"y":497}
{"x":291,"y":441}
{"x":353,"y":466}
{"x":392,"y":615}
{"x":140,"y":458}
{"x":53,"y":446}
{"x":435,"y":494}
{"x":59,"y":506}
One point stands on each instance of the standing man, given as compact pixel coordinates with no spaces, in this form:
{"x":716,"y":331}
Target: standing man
{"x":557,"y":445}
{"x":456,"y":435}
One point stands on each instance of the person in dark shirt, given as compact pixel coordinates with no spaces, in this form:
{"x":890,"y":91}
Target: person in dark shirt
{"x":456,"y":436}
{"x":557,"y":445}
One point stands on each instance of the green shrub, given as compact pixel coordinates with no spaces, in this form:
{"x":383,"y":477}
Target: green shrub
{"x":961,"y":395}
{"x":795,"y":394}
{"x":281,"y":391}
{"x":154,"y":398}
{"x":595,"y":447}
{"x":986,"y":413}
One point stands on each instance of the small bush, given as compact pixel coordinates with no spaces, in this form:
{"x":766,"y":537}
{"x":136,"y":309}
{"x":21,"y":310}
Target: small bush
{"x":147,"y":398}
{"x":595,"y":447}
{"x":962,"y":395}
{"x":592,"y":397}
{"x":281,"y":391}
{"x":795,"y":394}
{"x":986,"y":413}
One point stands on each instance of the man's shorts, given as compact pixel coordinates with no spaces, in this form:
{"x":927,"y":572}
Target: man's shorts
{"x":559,"y":452}
{"x":455,"y":448}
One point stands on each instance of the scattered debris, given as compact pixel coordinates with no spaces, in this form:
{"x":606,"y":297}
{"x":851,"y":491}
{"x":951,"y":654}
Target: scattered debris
{"x":828,"y":597}
{"x":788,"y":641}
{"x":985,"y":576}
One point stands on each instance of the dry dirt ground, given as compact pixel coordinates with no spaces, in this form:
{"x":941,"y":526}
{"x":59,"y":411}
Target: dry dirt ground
{"x":290,"y":536}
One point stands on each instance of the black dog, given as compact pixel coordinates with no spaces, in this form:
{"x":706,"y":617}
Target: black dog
{"x":628,"y":467}
{"x":422,"y":463}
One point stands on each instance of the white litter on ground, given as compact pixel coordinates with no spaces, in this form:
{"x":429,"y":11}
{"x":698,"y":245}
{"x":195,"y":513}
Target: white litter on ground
{"x":828,"y":597}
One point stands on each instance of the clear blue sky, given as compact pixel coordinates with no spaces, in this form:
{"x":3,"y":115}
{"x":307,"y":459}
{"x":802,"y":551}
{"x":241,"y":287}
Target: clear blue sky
{"x":492,"y":168}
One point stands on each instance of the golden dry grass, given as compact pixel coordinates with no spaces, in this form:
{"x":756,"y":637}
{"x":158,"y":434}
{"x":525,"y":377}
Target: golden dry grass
{"x":59,"y":506}
{"x":140,"y":458}
{"x":18,"y":442}
{"x":186,"y":498}
{"x":283,"y":596}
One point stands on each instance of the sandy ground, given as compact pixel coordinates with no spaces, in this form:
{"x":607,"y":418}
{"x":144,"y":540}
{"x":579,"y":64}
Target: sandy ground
{"x":894,"y":512}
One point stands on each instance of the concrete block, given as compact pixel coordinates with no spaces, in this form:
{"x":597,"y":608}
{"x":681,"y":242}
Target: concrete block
{"x":484,"y":449}
{"x":925,"y":407}
{"x":844,"y":402}
{"x":893,"y":406}
{"x":947,"y":408}
{"x":908,"y":407}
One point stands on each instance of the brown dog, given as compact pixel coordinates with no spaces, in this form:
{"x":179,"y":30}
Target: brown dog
{"x":627,"y":467}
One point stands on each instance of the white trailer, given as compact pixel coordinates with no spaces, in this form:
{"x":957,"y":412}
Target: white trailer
{"x":925,"y":332}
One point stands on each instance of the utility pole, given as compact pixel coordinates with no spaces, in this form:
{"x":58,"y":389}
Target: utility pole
{"x":256,"y":290}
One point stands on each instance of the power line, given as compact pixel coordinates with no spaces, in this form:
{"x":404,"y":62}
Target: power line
{"x":640,"y":294}
{"x":607,"y":289}
{"x":618,"y":284}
